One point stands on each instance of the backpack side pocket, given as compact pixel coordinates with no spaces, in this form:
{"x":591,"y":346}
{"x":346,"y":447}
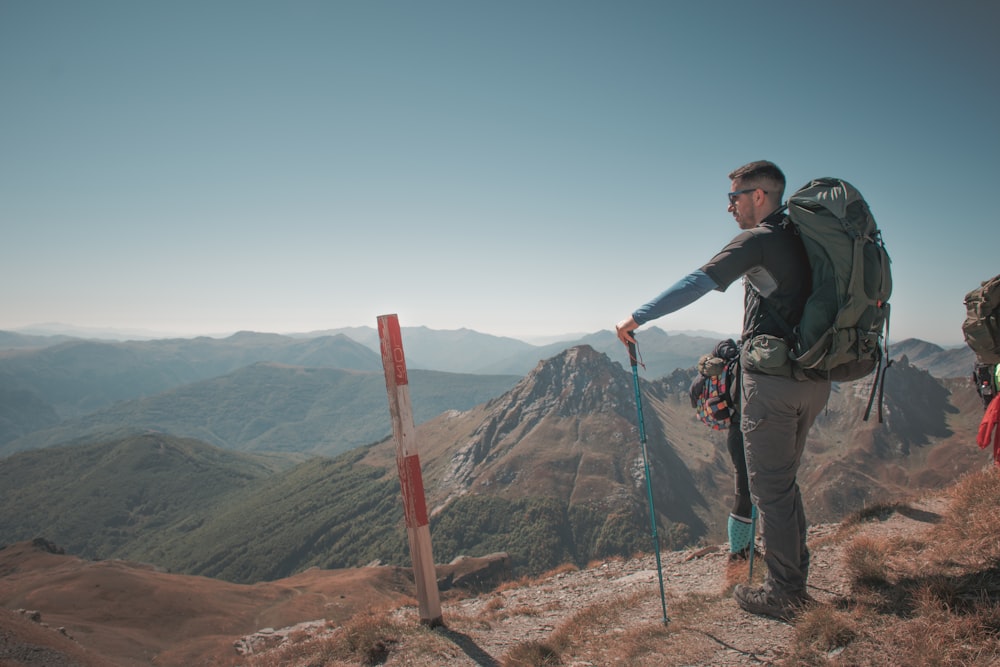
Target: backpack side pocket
{"x":766,"y":354}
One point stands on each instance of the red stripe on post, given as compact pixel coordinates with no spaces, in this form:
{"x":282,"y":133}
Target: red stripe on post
{"x":412,"y":480}
{"x":392,"y":347}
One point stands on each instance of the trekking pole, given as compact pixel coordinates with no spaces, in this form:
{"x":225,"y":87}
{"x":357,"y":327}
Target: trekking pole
{"x":634,"y":360}
{"x":753,"y":540}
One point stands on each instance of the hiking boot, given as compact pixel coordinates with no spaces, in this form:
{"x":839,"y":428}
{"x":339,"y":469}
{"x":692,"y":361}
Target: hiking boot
{"x":758,"y":601}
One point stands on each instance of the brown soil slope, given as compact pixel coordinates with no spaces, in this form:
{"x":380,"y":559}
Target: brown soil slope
{"x":127,"y":614}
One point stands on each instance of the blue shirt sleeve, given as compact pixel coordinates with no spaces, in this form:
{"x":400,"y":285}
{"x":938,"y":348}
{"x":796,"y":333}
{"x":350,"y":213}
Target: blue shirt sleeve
{"x":685,"y":291}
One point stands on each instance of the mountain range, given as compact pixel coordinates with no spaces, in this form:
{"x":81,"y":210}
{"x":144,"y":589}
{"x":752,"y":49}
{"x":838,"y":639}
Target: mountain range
{"x":46,"y":382}
{"x":548,"y":468}
{"x":53,"y":390}
{"x":265,"y":407}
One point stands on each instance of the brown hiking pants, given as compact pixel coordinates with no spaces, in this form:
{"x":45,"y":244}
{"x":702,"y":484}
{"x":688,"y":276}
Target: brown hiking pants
{"x":777,"y":413}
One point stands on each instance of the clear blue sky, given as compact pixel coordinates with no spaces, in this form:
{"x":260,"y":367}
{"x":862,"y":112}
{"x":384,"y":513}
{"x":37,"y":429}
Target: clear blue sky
{"x":516,"y":168}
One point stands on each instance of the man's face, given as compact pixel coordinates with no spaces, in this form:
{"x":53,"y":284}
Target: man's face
{"x":741,"y":205}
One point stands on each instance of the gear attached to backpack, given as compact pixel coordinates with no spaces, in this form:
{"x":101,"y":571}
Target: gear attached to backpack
{"x":711,"y":391}
{"x":981,"y":329}
{"x":984,"y":378}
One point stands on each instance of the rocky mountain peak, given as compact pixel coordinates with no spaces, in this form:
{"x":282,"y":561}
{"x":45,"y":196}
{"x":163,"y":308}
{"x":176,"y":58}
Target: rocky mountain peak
{"x":580,"y":380}
{"x":575,"y":383}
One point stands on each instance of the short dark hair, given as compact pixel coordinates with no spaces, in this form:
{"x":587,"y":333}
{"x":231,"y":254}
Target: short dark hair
{"x":762,"y":174}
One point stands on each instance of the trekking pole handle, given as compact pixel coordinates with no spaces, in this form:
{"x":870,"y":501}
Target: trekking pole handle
{"x":632,"y":356}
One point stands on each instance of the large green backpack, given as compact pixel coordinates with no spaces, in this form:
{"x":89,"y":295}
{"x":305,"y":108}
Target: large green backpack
{"x":982,"y":322}
{"x":845,"y":323}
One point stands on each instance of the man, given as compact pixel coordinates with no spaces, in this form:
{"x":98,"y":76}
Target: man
{"x":777,"y":410}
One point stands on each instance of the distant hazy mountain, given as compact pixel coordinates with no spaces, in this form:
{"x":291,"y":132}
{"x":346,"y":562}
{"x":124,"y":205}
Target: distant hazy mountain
{"x":10,"y":340}
{"x":465,"y":351}
{"x":82,"y":376}
{"x":62,"y":330}
{"x":273,"y":407}
{"x":936,"y":360}
{"x":456,"y":351}
{"x":468,"y":351}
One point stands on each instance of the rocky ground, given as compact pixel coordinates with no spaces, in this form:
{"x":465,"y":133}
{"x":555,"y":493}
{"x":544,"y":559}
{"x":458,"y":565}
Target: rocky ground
{"x":701,"y":615}
{"x":612,"y":613}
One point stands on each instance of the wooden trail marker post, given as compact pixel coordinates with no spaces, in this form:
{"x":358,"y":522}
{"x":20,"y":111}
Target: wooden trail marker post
{"x":410,"y":479}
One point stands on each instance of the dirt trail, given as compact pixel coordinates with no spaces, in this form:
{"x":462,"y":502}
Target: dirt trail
{"x":705,"y":625}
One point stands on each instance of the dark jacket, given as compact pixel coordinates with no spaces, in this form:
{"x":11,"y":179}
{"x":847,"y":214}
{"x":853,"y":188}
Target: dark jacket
{"x":773,"y":262}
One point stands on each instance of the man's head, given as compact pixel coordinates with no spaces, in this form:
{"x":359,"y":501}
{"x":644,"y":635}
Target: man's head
{"x":757,"y":190}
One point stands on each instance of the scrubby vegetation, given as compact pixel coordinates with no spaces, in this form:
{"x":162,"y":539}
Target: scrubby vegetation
{"x":538,"y":533}
{"x":192,"y":508}
{"x":920,"y":600}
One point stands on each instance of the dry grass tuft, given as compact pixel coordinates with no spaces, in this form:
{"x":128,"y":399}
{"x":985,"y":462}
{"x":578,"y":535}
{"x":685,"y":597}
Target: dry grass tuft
{"x":738,"y":572}
{"x":524,"y":582}
{"x":823,"y":630}
{"x":639,"y":642}
{"x":866,"y":560}
{"x":586,"y":630}
{"x":367,"y":640}
{"x":513,"y":584}
{"x":590,"y":620}
{"x":565,"y":568}
{"x":468,"y":622}
{"x":595,"y":564}
{"x":495,"y":604}
{"x":532,"y":654}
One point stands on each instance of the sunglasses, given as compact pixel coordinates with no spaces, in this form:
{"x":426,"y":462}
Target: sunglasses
{"x":736,"y":193}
